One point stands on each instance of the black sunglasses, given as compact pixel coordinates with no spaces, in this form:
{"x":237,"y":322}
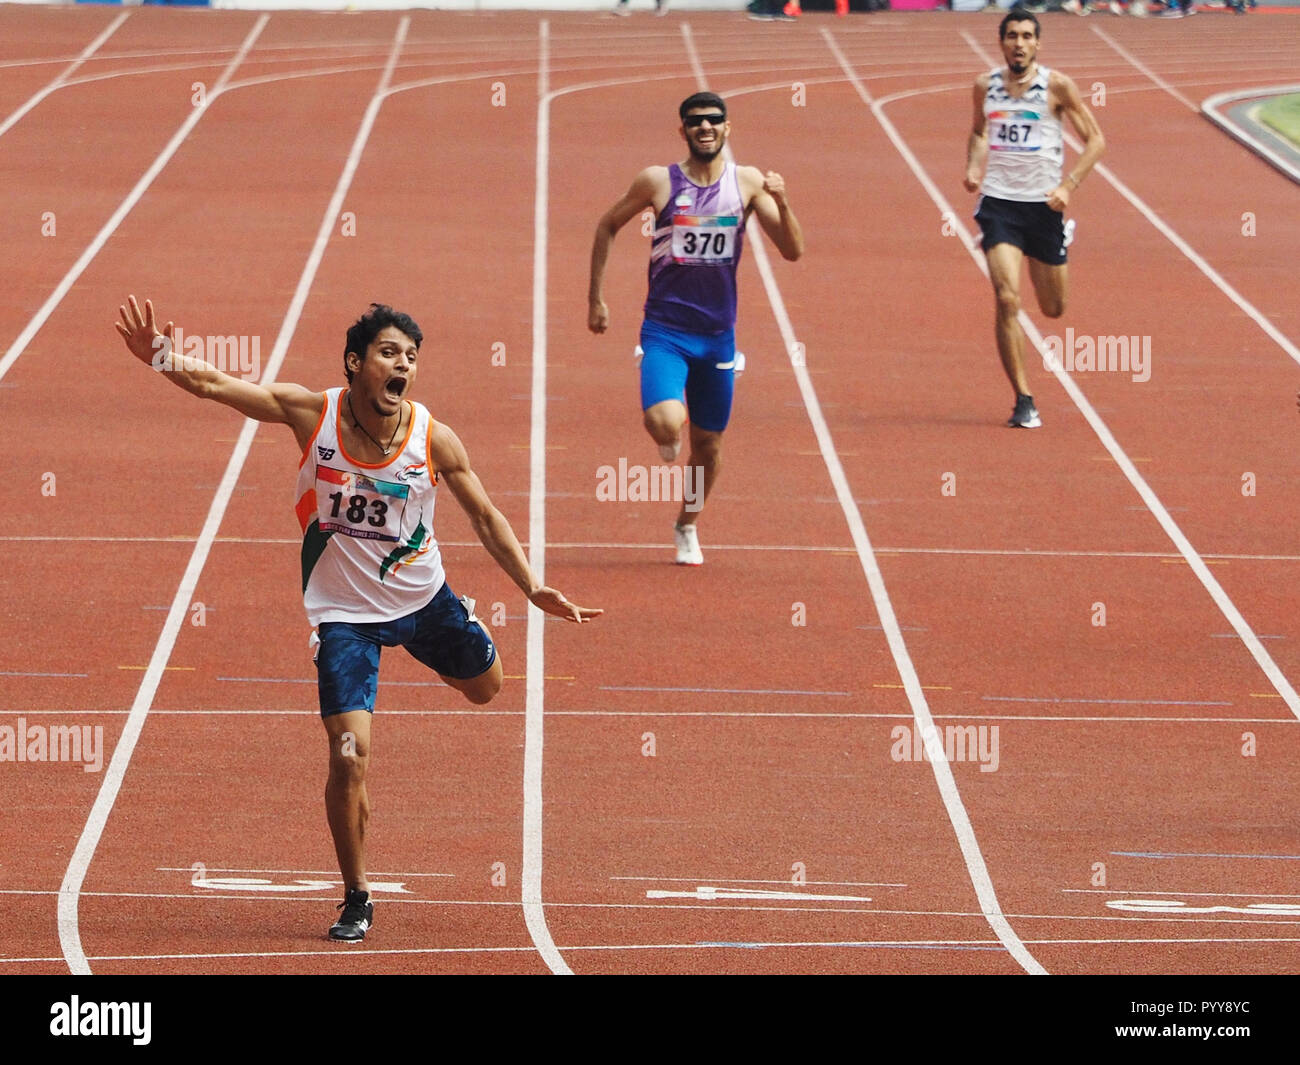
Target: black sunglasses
{"x":693,"y":121}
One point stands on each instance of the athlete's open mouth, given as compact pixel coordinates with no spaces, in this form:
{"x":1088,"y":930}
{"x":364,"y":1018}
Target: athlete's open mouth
{"x":395,"y":387}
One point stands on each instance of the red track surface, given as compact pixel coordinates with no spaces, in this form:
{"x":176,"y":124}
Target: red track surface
{"x":773,"y":740}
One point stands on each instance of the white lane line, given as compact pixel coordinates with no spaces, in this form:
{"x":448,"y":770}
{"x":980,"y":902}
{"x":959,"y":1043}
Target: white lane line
{"x":73,"y":878}
{"x":898,"y":944}
{"x":125,"y":207}
{"x":64,"y":75}
{"x":880,"y":596}
{"x":287,"y":872}
{"x":561,"y":545}
{"x":1153,"y":504}
{"x":1010,"y":718}
{"x":733,"y":880}
{"x":710,"y":892}
{"x":535,"y":672}
{"x":1229,"y":609}
{"x":1136,"y":62}
{"x":1148,"y":892}
{"x":1246,"y":307}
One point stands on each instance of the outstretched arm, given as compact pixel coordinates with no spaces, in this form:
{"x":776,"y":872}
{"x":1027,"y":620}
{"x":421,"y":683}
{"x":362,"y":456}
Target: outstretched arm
{"x":977,"y":145}
{"x":1085,"y":125}
{"x":638,"y":197}
{"x":282,"y":404}
{"x":452,"y":464}
{"x":769,"y":203}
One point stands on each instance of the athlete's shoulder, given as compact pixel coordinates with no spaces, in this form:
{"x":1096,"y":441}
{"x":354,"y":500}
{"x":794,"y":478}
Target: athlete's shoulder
{"x":444,"y":450}
{"x":1060,"y":84}
{"x":655,"y":176}
{"x":983,"y":81}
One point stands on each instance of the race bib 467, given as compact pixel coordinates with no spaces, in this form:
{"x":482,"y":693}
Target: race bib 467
{"x":1015,"y":131}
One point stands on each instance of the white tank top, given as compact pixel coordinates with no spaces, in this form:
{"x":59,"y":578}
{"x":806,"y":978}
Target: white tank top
{"x":368,"y":551}
{"x":1026,"y":148}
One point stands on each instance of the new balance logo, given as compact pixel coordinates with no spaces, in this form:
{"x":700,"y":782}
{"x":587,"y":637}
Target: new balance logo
{"x":325,"y":453}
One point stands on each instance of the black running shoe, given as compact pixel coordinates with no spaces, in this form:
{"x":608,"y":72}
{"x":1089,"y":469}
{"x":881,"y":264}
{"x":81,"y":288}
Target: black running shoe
{"x":358,"y":915}
{"x":1025,"y":416}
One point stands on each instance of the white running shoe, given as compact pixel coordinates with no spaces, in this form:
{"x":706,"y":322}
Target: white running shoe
{"x":688,"y":546}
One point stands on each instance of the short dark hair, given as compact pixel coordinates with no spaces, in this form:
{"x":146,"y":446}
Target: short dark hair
{"x":371,"y":324}
{"x":702,"y":99}
{"x":1018,"y":14}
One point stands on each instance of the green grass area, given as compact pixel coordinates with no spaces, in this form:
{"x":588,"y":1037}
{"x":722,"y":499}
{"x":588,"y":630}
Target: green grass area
{"x":1282,"y":113}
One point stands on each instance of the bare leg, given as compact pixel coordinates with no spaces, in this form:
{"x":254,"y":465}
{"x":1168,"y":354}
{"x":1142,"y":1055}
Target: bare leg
{"x":1004,"y":271}
{"x":664,"y":422}
{"x":347,"y":807}
{"x":706,"y":454}
{"x":483,"y":688}
{"x":1050,"y":286}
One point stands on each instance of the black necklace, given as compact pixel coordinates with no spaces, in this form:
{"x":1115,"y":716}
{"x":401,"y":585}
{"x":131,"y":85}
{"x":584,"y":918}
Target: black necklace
{"x":386,"y":450}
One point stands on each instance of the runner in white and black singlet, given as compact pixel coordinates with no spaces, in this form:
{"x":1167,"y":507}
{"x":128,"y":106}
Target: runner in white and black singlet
{"x":372,"y":576}
{"x":1014,"y":158}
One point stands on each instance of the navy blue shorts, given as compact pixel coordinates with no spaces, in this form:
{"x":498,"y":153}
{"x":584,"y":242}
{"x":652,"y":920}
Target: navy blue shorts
{"x":694,"y":368}
{"x":1034,"y":228}
{"x":440,"y":635}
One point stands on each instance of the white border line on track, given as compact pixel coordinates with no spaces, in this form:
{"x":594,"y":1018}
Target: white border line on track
{"x":903,"y":944}
{"x":1136,"y":62}
{"x":1211,"y":106}
{"x":126,"y":206}
{"x":535,"y":671}
{"x":1221,"y":599}
{"x":70,"y":890}
{"x":63,"y":75}
{"x":957,"y":815}
{"x":1229,"y":610}
{"x":1167,"y":231}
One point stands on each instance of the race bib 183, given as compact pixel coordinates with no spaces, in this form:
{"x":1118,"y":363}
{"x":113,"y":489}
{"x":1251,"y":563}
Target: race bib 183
{"x":704,"y":239}
{"x":360,"y":506}
{"x":1015,"y":131}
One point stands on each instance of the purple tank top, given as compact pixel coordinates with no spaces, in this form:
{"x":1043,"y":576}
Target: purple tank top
{"x":699,"y":236}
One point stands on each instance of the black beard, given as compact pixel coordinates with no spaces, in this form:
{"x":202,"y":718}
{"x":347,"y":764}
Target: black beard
{"x":1019,"y":68}
{"x":702,"y":157}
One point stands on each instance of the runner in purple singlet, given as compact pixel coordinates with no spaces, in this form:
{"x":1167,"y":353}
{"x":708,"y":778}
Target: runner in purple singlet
{"x":688,"y":337}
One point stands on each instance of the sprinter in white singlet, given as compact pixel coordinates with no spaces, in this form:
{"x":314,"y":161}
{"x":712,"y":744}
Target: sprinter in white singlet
{"x":1014,"y":158}
{"x":372,"y":577}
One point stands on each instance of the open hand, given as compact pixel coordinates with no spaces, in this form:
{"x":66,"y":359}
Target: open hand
{"x":553,"y":602}
{"x":140,"y":331}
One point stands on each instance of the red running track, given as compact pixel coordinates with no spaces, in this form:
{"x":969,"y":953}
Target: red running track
{"x":1132,"y":811}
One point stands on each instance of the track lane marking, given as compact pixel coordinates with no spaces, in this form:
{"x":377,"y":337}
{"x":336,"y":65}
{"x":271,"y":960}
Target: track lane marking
{"x":535,"y":671}
{"x":88,"y":841}
{"x":971,"y":854}
{"x":1153,"y":504}
{"x":62,"y":77}
{"x":127,"y":205}
{"x":1167,"y":231}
